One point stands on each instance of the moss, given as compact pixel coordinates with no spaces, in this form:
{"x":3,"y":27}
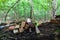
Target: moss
{"x":58,"y":30}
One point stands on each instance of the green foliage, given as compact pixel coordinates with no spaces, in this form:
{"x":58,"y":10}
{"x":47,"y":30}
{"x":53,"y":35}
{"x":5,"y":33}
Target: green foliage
{"x":41,"y":8}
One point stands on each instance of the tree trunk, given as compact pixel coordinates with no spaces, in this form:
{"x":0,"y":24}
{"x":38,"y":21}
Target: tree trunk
{"x":31,"y":12}
{"x":31,"y":8}
{"x":54,"y":6}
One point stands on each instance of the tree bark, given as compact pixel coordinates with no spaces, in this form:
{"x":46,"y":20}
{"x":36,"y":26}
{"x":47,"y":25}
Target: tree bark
{"x":54,"y":6}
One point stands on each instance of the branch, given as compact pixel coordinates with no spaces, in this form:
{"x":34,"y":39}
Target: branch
{"x":10,"y":9}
